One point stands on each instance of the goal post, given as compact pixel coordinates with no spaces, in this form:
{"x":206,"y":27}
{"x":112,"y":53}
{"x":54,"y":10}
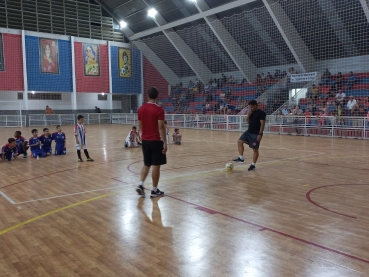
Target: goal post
{"x":11,"y":114}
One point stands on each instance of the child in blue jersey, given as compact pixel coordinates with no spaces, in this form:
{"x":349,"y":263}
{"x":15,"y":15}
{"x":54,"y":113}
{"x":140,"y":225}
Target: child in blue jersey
{"x":59,"y":138}
{"x":21,"y":144}
{"x":46,"y":140}
{"x":80,"y":135}
{"x":35,"y":145}
{"x":9,"y":150}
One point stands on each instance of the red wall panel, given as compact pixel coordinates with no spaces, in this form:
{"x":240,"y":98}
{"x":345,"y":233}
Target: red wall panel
{"x":153,"y":78}
{"x":92,"y":83}
{"x":12,"y":77}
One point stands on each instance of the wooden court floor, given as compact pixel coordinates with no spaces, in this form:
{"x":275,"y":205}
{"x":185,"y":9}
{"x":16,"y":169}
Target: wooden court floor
{"x":303,"y":212}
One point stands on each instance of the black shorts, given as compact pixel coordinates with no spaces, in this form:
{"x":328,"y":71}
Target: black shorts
{"x":152,"y":152}
{"x":250,"y":139}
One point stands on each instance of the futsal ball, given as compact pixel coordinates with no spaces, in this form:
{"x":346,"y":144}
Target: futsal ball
{"x":229,"y":167}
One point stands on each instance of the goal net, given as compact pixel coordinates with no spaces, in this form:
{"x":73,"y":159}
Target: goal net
{"x":11,"y":114}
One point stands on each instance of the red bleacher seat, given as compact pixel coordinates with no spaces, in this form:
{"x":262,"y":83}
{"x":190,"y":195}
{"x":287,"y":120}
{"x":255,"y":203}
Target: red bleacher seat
{"x":303,"y":101}
{"x":360,"y":86}
{"x":324,"y":89}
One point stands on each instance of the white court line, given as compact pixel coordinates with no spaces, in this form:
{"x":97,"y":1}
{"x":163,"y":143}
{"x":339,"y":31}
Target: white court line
{"x":70,"y":194}
{"x":163,"y":179}
{"x":7,"y":198}
{"x":234,"y":143}
{"x":236,"y":166}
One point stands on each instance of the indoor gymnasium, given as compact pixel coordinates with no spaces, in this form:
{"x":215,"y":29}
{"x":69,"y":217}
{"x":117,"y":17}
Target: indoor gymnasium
{"x":185,"y":138}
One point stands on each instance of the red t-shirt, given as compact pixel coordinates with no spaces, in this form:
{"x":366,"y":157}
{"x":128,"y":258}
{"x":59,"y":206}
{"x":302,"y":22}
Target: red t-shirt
{"x":149,"y":114}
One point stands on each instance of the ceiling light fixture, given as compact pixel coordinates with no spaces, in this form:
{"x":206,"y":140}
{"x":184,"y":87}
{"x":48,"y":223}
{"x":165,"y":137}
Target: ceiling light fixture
{"x":123,"y":24}
{"x":152,"y":13}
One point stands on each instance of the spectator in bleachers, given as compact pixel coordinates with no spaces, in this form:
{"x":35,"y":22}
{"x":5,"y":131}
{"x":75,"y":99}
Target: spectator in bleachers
{"x":366,"y":102}
{"x":216,"y":108}
{"x":359,"y":104}
{"x":351,"y":103}
{"x":214,"y":83}
{"x":314,"y":91}
{"x":180,"y":85}
{"x":299,"y":111}
{"x":308,"y":115}
{"x":326,"y":77}
{"x":293,"y":71}
{"x":228,"y":94}
{"x":323,"y":108}
{"x":240,"y":104}
{"x":279,"y":117}
{"x":285,"y":110}
{"x":332,"y":108}
{"x":224,"y":80}
{"x":333,"y":90}
{"x":284,"y":74}
{"x":362,"y":112}
{"x":339,"y":80}
{"x":340,"y":97}
{"x":222,"y":96}
{"x":244,"y":81}
{"x":97,"y":109}
{"x":269,"y":77}
{"x":351,"y":79}
{"x":209,"y":97}
{"x":259,"y":81}
{"x":229,"y":111}
{"x":277,"y":74}
{"x":191,"y":85}
{"x":207,"y":106}
{"x":231,"y":80}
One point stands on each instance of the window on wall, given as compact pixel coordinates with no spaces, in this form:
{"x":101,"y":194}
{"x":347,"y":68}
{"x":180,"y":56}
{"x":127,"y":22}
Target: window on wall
{"x":43,"y":96}
{"x":102,"y":97}
{"x":118,"y":97}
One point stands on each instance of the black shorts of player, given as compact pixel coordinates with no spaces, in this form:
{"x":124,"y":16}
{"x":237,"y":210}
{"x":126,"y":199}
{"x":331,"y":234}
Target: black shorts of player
{"x":152,"y":152}
{"x":250,"y":139}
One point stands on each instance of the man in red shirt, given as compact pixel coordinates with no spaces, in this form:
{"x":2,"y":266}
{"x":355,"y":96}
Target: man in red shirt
{"x":154,"y":141}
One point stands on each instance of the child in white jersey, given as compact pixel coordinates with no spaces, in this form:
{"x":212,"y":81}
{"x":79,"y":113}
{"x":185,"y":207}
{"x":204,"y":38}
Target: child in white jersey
{"x":133,"y":138}
{"x":80,"y":135}
{"x":177,"y":137}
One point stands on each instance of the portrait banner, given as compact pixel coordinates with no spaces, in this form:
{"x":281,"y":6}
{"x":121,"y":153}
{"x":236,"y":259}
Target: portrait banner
{"x":2,"y":65}
{"x":91,"y":59}
{"x":49,"y":55}
{"x":125,"y":63}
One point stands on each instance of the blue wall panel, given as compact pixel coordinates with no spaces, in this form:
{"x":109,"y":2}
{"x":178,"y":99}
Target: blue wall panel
{"x":126,"y":85}
{"x":61,"y":82}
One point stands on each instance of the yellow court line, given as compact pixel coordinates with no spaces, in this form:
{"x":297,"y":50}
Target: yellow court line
{"x":102,"y":196}
{"x":53,"y":212}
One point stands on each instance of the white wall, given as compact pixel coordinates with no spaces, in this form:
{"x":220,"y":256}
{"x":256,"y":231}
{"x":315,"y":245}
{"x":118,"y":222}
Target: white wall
{"x":84,"y":101}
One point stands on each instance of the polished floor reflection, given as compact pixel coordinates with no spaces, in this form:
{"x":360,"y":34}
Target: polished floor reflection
{"x":303,"y":212}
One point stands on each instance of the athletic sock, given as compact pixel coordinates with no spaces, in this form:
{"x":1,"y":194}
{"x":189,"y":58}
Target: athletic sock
{"x":154,"y":188}
{"x":79,"y":154}
{"x":140,"y":183}
{"x":241,"y":157}
{"x":86,"y":153}
{"x":253,"y":164}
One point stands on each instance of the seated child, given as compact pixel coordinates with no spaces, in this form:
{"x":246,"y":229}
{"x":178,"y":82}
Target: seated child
{"x":35,"y":145}
{"x":46,"y":140}
{"x":177,"y":137}
{"x":21,"y":144}
{"x":133,"y":138}
{"x":59,"y":138}
{"x":9,"y":150}
{"x":166,"y":130}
